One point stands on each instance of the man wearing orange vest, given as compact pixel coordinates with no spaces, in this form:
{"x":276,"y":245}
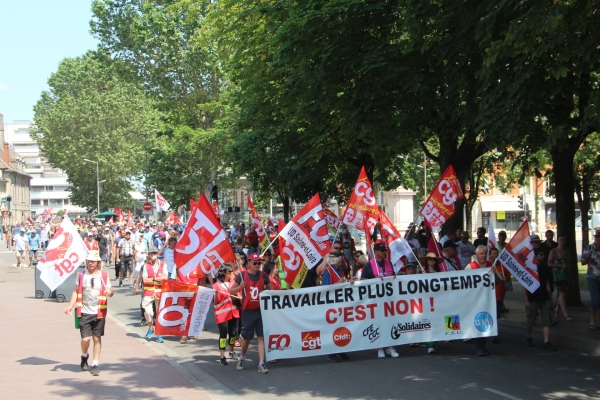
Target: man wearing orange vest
{"x":226,"y":313}
{"x":92,"y":287}
{"x":90,"y":241}
{"x":252,"y":282}
{"x":155,"y":271}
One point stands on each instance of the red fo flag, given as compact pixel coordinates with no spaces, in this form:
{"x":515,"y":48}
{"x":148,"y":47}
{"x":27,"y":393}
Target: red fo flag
{"x":203,"y":243}
{"x":257,"y":224}
{"x":362,"y":211}
{"x":292,"y":263}
{"x":439,"y":207}
{"x":519,"y":259}
{"x":182,"y":309}
{"x":308,"y":234}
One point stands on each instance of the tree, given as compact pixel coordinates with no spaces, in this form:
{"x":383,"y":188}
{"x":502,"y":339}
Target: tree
{"x":86,"y":114}
{"x":587,"y":184}
{"x":539,"y":86}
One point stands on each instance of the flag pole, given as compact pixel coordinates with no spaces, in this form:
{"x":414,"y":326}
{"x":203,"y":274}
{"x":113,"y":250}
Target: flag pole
{"x":271,"y":243}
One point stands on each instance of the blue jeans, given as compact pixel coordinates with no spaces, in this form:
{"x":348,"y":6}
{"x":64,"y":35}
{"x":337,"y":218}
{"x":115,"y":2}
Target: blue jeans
{"x":480,"y":343}
{"x":594,"y":285}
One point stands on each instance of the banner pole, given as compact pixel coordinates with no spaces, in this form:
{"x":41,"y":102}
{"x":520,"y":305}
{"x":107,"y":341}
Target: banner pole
{"x":419,"y":262}
{"x":265,"y":250}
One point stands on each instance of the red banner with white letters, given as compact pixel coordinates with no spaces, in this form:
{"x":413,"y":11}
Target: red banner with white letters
{"x":362,"y":211}
{"x":439,"y":207}
{"x":203,"y":244}
{"x":307,"y":233}
{"x":182,"y":309}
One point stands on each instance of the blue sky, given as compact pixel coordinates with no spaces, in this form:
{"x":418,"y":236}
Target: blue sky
{"x":35,"y":35}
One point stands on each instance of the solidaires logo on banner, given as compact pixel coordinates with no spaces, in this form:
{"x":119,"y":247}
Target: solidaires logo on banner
{"x":379,"y":313}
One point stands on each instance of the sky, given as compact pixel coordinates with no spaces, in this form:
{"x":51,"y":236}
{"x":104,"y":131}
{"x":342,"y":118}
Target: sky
{"x":35,"y":35}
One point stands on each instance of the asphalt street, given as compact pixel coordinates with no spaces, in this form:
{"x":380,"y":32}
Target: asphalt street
{"x":513,"y":371}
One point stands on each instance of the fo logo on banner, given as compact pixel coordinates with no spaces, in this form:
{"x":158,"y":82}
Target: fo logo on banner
{"x":279,"y":342}
{"x":342,"y":337}
{"x":311,"y":340}
{"x":484,"y":322}
{"x":452,"y":324}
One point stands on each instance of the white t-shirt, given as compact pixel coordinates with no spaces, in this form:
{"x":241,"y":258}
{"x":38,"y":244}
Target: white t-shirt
{"x":90,"y":295}
{"x":169,"y":259}
{"x":20,"y":241}
{"x":465,"y":252}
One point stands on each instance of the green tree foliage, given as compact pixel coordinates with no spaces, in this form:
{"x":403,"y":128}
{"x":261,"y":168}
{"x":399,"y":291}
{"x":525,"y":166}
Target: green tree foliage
{"x":85,"y":114}
{"x":587,"y":182}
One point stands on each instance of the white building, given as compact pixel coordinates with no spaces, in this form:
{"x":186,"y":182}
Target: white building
{"x":49,"y":184}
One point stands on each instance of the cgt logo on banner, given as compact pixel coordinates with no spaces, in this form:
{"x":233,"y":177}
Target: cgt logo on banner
{"x":406,"y":309}
{"x":292,"y":264}
{"x":182,"y":309}
{"x":362,"y":211}
{"x":65,"y":252}
{"x":439,"y":207}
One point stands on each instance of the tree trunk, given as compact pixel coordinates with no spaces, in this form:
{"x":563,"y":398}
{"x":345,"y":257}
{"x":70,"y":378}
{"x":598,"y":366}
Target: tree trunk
{"x":286,"y":209}
{"x":562,"y":160}
{"x":584,"y":206}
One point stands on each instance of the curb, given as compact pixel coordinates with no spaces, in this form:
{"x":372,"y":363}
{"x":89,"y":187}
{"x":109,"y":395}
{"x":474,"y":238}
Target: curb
{"x":558,"y":339}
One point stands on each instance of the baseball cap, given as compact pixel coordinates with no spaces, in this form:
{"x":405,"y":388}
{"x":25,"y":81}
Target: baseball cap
{"x":449,"y":244}
{"x":90,"y":233}
{"x":254,"y":257}
{"x":152,"y":249}
{"x":22,"y":230}
{"x":380,"y":245}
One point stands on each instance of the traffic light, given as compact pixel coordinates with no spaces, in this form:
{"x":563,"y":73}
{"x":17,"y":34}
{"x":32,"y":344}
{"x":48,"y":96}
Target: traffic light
{"x":520,"y":201}
{"x":214,"y":193}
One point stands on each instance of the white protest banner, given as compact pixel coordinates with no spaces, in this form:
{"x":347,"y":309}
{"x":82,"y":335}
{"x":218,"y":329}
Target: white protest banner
{"x":64,"y":254}
{"x":182,"y":309}
{"x":308,"y":234}
{"x":518,"y":257}
{"x":378,"y":313}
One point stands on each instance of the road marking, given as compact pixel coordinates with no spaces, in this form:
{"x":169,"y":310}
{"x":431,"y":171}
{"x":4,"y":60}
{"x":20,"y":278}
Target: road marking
{"x":508,"y":396}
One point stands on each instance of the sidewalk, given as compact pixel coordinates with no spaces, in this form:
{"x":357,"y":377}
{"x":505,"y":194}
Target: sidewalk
{"x":41,"y":353}
{"x":574,"y":335}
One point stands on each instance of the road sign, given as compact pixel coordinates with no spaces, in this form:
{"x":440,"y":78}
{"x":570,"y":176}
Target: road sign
{"x":147,"y":207}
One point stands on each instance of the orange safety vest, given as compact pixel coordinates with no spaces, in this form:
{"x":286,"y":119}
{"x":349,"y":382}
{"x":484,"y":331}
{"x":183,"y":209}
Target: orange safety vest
{"x":224,"y":309}
{"x":102,"y":301}
{"x":153,"y":289}
{"x":92,"y":246}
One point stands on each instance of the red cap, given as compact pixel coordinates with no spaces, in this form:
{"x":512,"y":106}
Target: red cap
{"x":254,"y":257}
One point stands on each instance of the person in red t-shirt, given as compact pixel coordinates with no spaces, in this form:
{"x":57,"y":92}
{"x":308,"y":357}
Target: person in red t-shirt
{"x":252,"y":239}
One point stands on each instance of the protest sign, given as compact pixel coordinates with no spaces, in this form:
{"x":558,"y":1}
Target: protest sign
{"x":518,"y":258}
{"x":182,"y":309}
{"x":379,"y":313}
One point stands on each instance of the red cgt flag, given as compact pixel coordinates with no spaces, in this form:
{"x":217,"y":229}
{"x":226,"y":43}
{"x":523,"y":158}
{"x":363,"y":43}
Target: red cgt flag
{"x":203,"y":243}
{"x":257,"y":224}
{"x":439,"y":207}
{"x":362,"y":211}
{"x":308,"y":234}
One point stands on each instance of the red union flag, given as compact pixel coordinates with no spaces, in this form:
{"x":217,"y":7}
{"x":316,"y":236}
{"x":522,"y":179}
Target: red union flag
{"x":440,"y":204}
{"x":262,"y":238}
{"x":203,"y":243}
{"x":362,"y":211}
{"x":398,"y":246}
{"x":518,"y":258}
{"x":215,"y":207}
{"x":63,"y":256}
{"x":182,"y":309}
{"x":292,"y":264}
{"x":307,"y":233}
{"x":333,"y":221}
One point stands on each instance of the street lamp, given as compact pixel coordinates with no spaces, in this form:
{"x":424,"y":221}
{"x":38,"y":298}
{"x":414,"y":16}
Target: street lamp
{"x":97,"y":182}
{"x":145,"y":159}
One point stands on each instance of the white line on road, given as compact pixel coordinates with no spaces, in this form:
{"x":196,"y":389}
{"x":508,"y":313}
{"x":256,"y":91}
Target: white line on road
{"x":508,"y":396}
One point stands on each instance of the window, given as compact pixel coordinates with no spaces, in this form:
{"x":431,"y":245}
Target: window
{"x":36,"y":202}
{"x":66,"y":201}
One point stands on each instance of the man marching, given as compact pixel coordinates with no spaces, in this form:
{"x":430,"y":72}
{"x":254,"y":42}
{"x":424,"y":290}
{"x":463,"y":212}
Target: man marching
{"x":252,"y":282}
{"x":155,"y":272}
{"x":92,"y":287}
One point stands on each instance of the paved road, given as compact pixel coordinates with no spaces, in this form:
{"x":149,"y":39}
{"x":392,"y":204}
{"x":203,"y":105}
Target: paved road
{"x":513,"y":371}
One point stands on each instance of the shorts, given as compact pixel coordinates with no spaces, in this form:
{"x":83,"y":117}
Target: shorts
{"x":126,"y":264}
{"x":594,"y":286}
{"x":21,"y":252}
{"x":562,"y":286}
{"x":148,"y":304}
{"x":251,"y":322}
{"x":33,"y":253}
{"x":532,"y":312}
{"x":91,"y":325}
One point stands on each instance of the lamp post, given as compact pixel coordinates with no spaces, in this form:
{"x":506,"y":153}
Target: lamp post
{"x":145,"y":159}
{"x":97,"y":182}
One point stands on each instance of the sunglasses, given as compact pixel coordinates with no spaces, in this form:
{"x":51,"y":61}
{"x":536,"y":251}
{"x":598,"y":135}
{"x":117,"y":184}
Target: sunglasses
{"x":256,"y":263}
{"x":337,"y":248}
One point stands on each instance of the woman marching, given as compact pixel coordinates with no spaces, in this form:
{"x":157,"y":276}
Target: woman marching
{"x":226,"y":313}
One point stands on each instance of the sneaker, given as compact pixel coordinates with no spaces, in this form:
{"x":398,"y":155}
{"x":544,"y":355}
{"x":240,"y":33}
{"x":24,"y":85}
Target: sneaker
{"x":549,"y":346}
{"x":159,"y":339}
{"x":95,"y":371}
{"x":262,"y":368}
{"x":392,"y":352}
{"x":380,"y":353}
{"x":233,"y":355}
{"x":84,"y":364}
{"x":183,"y":340}
{"x":334,"y":358}
{"x":223,"y":361}
{"x":120,"y":283}
{"x":149,"y":334}
{"x":131,"y":285}
{"x":529,"y":342}
{"x":431,"y":350}
{"x":240,"y":364}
